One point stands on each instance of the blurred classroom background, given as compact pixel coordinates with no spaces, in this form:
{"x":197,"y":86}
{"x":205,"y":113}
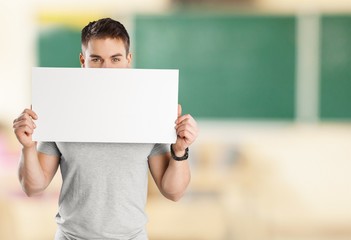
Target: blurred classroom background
{"x":269,"y":82}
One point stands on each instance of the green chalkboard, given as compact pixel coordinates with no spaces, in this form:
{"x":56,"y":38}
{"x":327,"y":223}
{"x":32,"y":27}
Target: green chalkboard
{"x":59,"y":47}
{"x":230,"y":66}
{"x":335,"y":86}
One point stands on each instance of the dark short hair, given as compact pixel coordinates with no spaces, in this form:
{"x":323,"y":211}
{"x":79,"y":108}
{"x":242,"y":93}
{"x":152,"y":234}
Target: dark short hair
{"x":105,"y":28}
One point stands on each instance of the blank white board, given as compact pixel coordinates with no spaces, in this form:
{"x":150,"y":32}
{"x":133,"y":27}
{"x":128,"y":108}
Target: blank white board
{"x":105,"y":105}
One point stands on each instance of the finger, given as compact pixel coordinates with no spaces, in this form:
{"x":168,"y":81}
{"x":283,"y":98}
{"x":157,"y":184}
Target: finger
{"x":179,"y":110}
{"x":24,"y":116}
{"x":31,"y":113}
{"x":186,"y":135}
{"x":19,"y":124}
{"x":28,"y":131}
{"x":186,"y":124}
{"x":25,"y":122}
{"x":20,"y":117}
{"x":24,"y":130}
{"x":189,"y":121}
{"x":186,"y":128}
{"x":182,"y":118}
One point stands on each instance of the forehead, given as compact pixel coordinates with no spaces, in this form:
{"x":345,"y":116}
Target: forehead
{"x":105,"y":46}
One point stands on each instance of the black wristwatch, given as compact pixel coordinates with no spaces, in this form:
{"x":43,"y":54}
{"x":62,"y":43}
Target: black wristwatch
{"x":185,"y":157}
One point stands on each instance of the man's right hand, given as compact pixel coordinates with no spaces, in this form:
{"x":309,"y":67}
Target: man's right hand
{"x":24,"y":126}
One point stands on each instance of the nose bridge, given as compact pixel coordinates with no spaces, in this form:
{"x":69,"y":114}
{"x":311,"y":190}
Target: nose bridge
{"x":107,"y":64}
{"x":104,"y":64}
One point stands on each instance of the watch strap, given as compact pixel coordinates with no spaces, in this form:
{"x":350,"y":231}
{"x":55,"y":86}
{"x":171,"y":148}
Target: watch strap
{"x":184,"y":157}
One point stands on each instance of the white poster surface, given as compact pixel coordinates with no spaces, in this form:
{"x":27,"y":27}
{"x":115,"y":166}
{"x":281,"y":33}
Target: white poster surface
{"x":105,"y":105}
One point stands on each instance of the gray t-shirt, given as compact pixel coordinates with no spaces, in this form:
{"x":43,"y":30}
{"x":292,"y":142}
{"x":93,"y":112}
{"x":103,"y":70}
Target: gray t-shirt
{"x":104,"y":189}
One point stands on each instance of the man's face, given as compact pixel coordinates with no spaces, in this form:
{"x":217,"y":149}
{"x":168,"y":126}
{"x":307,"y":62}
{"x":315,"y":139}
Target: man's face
{"x":105,"y":53}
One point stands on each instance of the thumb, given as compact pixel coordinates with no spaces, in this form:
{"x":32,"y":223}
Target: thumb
{"x":179,"y":110}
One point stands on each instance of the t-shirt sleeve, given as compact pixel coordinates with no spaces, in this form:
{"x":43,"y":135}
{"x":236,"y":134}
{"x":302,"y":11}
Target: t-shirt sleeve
{"x":49,"y":148}
{"x":159,"y":149}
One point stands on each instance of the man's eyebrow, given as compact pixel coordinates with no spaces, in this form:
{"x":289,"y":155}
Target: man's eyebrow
{"x":94,"y":56}
{"x":117,"y":55}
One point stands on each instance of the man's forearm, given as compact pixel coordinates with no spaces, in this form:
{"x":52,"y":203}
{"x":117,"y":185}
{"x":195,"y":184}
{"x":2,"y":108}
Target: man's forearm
{"x":30,"y":173}
{"x":176,"y":179}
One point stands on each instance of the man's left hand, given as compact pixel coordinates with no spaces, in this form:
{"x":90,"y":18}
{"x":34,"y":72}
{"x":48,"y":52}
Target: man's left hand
{"x":187,"y":131}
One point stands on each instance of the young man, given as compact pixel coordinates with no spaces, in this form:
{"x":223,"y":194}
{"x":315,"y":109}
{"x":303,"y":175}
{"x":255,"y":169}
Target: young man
{"x":104,"y":187}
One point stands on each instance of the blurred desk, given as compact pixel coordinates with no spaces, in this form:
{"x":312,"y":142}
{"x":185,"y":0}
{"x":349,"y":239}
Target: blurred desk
{"x":294,"y":184}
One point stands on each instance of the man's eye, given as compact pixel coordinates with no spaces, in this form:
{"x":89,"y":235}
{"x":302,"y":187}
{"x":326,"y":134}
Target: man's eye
{"x":115,"y":59}
{"x":95,"y":60}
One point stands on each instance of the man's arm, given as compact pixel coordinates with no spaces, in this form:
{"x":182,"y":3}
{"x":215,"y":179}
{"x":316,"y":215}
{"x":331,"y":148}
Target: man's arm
{"x":35,"y":170}
{"x":171,"y":176}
